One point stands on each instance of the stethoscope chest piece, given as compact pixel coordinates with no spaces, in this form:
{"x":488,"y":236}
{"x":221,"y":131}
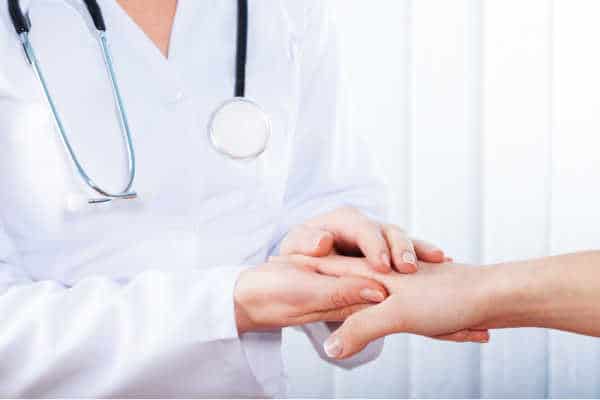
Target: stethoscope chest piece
{"x":240,"y":129}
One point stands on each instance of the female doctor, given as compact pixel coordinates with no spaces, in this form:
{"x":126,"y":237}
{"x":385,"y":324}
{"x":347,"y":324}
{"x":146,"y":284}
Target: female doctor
{"x":129,"y":218}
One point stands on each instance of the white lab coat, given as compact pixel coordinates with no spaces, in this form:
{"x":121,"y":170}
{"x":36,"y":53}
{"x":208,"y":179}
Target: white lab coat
{"x":136,"y":298}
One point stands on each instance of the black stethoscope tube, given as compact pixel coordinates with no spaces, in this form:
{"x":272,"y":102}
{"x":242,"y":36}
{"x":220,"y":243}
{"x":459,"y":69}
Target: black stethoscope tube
{"x":18,"y":19}
{"x":22,"y":25}
{"x":242,"y":49}
{"x":96,"y":14}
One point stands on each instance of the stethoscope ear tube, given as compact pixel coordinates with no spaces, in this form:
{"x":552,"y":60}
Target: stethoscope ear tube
{"x":96,"y":14}
{"x":242,"y":49}
{"x":19,"y":20}
{"x":236,"y":115}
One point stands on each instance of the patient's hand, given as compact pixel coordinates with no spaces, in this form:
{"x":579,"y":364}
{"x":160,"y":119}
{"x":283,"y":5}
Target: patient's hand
{"x":347,"y":231}
{"x":440,"y":301}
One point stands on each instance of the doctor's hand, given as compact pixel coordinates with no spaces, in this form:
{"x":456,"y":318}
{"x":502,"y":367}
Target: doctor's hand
{"x":349,"y":232}
{"x":277,"y":295}
{"x":441,"y":301}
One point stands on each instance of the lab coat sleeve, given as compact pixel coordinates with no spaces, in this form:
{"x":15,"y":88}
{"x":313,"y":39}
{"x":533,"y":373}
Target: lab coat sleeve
{"x":159,"y":333}
{"x":331,"y":166}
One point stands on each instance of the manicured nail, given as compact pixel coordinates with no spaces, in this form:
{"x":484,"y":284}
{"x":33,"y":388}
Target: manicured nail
{"x":385,"y":259}
{"x":333,"y":347}
{"x":409,"y":258}
{"x":372,"y":295}
{"x":318,"y":242}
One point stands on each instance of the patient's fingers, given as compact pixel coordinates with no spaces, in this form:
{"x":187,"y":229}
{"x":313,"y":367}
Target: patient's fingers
{"x":358,"y":331}
{"x":307,"y":241}
{"x":372,"y":323}
{"x":475,"y":336}
{"x":403,"y":253}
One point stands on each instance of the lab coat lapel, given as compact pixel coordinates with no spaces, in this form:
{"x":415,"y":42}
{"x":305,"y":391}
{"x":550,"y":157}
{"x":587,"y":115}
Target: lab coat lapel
{"x":129,"y":40}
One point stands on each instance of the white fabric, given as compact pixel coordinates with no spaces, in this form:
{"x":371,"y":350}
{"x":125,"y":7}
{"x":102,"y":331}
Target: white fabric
{"x":135,"y":298}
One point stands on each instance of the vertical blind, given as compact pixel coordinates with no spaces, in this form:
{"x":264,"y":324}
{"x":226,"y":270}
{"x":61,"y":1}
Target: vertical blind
{"x":485,"y":115}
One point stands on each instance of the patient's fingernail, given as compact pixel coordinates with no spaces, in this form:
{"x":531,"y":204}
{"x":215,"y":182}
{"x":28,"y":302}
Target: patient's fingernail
{"x":333,"y":347}
{"x":409,"y":258}
{"x":385,"y":259}
{"x":372,"y":295}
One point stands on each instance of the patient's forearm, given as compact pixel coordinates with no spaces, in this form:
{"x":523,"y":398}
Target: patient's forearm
{"x":556,"y":292}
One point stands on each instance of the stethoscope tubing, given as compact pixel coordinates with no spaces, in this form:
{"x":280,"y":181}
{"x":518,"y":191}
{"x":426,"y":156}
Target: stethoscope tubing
{"x":126,"y":193}
{"x":22,"y":26}
{"x":242,"y":49}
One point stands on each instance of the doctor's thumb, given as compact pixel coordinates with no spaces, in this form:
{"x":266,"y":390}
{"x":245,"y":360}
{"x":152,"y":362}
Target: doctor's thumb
{"x":357,"y":332}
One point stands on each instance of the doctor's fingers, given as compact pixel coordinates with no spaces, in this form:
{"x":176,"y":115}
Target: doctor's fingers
{"x":308,"y":241}
{"x":355,"y":233}
{"x":334,"y":294}
{"x":402,"y":248}
{"x":337,"y":315}
{"x":430,"y":253}
{"x":335,"y":266}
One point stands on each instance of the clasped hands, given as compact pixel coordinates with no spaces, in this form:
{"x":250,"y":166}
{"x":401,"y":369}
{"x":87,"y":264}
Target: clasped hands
{"x":343,"y":266}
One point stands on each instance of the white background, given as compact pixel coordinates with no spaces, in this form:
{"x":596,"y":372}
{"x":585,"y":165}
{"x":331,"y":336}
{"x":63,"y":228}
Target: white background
{"x":486,"y":117}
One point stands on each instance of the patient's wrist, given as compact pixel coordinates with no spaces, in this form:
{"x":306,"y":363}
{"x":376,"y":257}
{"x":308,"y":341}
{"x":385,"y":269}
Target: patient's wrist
{"x":513,"y":296}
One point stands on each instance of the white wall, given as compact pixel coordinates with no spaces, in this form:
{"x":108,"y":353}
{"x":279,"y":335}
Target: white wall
{"x":486,"y":117}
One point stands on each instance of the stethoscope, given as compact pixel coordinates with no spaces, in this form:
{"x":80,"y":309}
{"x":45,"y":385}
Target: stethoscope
{"x":238,"y":129}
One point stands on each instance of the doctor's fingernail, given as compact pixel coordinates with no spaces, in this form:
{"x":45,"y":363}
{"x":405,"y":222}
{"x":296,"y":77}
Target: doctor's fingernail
{"x":372,"y":295}
{"x":409,"y":258}
{"x":319,"y":241}
{"x":385,"y":259}
{"x":333,"y":347}
{"x":431,"y":247}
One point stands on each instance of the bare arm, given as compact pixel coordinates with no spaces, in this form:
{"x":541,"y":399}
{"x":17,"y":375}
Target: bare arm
{"x":560,"y":292}
{"x":555,"y":292}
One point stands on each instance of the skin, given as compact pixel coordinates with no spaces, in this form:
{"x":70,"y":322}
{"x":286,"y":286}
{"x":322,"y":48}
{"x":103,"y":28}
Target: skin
{"x":347,"y":231}
{"x":276,"y":294}
{"x":155,"y":18}
{"x":279,"y":294}
{"x":557,"y":292}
